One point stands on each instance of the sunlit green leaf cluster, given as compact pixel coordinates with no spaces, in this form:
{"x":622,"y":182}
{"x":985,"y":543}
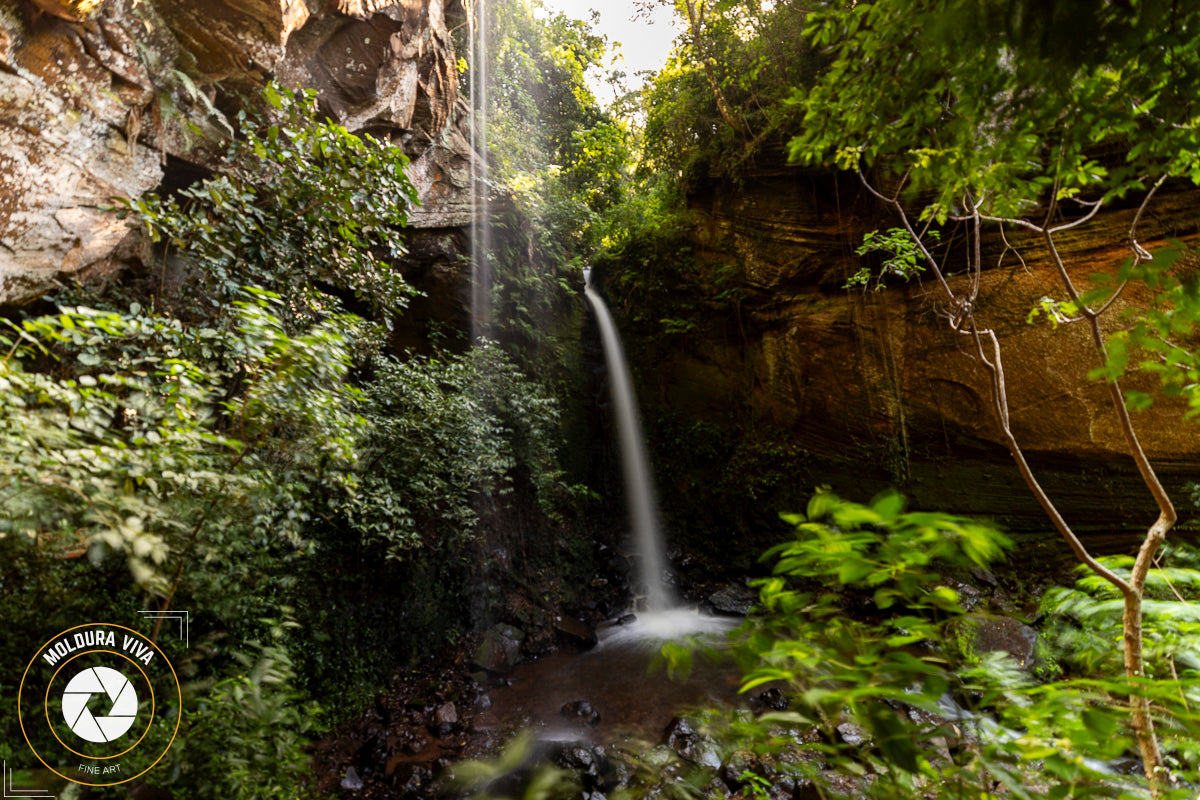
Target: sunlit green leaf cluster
{"x":302,"y":205}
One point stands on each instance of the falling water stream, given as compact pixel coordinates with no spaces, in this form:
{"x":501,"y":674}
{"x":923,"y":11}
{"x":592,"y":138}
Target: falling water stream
{"x":481,"y":228}
{"x":613,"y":677}
{"x":639,"y":483}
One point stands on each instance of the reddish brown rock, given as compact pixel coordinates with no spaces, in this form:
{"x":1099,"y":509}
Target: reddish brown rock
{"x":874,"y":388}
{"x":113,"y":98}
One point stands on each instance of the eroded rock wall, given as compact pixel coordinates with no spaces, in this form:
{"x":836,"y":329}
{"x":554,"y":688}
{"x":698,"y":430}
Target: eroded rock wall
{"x":871,"y":389}
{"x":109,"y":98}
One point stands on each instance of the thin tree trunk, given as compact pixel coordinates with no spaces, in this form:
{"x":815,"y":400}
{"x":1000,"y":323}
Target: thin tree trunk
{"x":695,"y":10}
{"x":1132,"y":590}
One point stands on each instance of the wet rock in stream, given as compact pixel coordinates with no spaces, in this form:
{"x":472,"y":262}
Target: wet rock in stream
{"x":576,"y":633}
{"x":589,"y":762}
{"x":733,"y":600}
{"x":581,"y":710}
{"x":771,"y":700}
{"x":683,"y":737}
{"x":351,"y":781}
{"x":500,"y":650}
{"x":851,"y":734}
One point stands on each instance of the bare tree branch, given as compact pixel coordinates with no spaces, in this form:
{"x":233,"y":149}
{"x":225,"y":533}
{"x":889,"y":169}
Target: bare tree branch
{"x":995,"y":368}
{"x":1096,"y":205}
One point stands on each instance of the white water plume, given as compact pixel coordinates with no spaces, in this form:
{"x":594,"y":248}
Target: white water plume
{"x":481,"y":212}
{"x":639,"y":483}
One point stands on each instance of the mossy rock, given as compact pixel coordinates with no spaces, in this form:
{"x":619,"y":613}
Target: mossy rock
{"x":978,"y":634}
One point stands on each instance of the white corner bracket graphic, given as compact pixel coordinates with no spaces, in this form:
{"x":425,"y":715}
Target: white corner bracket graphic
{"x":11,"y":790}
{"x":182,"y":617}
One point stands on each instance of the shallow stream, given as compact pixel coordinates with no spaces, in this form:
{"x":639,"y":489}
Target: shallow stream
{"x":623,"y":679}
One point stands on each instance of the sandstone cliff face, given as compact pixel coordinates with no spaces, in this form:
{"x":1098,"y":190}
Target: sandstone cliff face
{"x":874,"y":389}
{"x":113,"y":98}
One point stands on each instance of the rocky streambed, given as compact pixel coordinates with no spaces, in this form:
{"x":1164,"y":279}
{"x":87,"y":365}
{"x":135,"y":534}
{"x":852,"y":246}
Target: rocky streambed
{"x":599,"y":705}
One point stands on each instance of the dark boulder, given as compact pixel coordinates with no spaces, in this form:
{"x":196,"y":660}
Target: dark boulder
{"x":500,"y":650}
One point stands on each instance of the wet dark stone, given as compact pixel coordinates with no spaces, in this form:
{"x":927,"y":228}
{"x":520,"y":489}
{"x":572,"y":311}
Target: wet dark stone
{"x":985,"y":633}
{"x":807,"y":790}
{"x":851,"y":734}
{"x":783,"y":789}
{"x":619,"y":566}
{"x":372,"y":754}
{"x":1126,"y":766}
{"x":581,"y":710}
{"x":578,"y":757}
{"x":500,"y":649}
{"x":628,"y":619}
{"x":446,"y":713}
{"x":735,"y":601}
{"x":732,"y":770}
{"x":968,"y":596}
{"x":351,"y":781}
{"x":420,"y":777}
{"x":682,"y":737}
{"x":774,"y":699}
{"x":576,"y":632}
{"x":589,"y":762}
{"x":926,"y":719}
{"x":691,"y":745}
{"x":678,"y":731}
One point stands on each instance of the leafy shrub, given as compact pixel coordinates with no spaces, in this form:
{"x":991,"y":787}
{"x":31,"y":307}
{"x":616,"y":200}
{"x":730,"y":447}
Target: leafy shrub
{"x":246,"y":737}
{"x":443,"y":431}
{"x":301,"y":206}
{"x":857,"y":625}
{"x":147,"y":423}
{"x":194,"y":444}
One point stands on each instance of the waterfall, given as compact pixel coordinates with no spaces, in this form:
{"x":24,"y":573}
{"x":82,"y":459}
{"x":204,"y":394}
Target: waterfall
{"x":481,"y":212}
{"x":639,"y":483}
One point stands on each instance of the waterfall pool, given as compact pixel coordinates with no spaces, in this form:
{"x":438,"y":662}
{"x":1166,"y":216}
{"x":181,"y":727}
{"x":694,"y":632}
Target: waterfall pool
{"x":623,"y":680}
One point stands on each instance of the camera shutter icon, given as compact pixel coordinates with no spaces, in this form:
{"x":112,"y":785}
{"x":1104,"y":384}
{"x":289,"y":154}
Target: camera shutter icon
{"x":119,"y":692}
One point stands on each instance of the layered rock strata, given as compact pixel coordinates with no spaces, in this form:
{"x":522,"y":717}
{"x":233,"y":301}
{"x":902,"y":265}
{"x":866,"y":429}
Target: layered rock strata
{"x":876,"y":390}
{"x":114,"y":98}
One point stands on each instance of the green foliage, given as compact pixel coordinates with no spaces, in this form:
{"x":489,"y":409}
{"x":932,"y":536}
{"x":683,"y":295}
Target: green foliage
{"x":905,"y":261}
{"x":1086,"y":633}
{"x":856,"y":626}
{"x":756,"y":57}
{"x":481,"y":778}
{"x":210,"y":440}
{"x":559,"y":163}
{"x":1087,"y":619}
{"x":1158,"y":340}
{"x":247,"y":734}
{"x":150,"y":422}
{"x":994,"y":121}
{"x":301,"y":206}
{"x":173,"y":447}
{"x":877,"y":549}
{"x":555,"y":152}
{"x":1057,"y":312}
{"x":443,"y":431}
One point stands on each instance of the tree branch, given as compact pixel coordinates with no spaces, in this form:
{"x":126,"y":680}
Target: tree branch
{"x":1000,"y":407}
{"x":1096,"y":205}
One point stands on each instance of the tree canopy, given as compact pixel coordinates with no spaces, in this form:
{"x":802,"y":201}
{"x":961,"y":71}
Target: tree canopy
{"x":1007,"y":114}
